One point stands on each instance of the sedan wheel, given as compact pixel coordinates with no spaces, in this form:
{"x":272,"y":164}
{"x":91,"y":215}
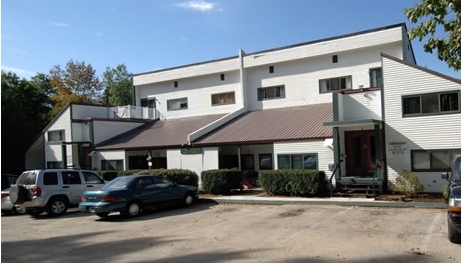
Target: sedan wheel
{"x":57,"y":206}
{"x":132,"y":209}
{"x":188,"y":200}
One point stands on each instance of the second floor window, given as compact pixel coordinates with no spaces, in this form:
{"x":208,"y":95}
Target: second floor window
{"x":148,"y":102}
{"x":223,"y":98}
{"x":334,"y":84}
{"x":375,"y":76}
{"x":177,"y":104}
{"x":271,"y":92}
{"x":432,"y":103}
{"x":56,"y":135}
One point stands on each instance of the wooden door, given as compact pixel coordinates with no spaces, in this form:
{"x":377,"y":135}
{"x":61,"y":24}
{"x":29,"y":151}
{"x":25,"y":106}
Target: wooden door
{"x":360,"y":153}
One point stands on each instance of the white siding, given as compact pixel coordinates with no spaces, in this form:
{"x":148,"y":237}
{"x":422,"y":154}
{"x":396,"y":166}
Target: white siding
{"x":330,"y":47}
{"x":198,"y":91}
{"x":423,"y":132}
{"x":362,"y":105}
{"x":87,"y":111}
{"x":324,"y":154}
{"x":205,"y":68}
{"x":197,"y":163}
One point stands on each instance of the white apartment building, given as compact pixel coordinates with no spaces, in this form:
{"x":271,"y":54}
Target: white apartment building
{"x":354,"y":106}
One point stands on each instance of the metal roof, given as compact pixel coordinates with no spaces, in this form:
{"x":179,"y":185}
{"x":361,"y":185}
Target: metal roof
{"x":159,"y":133}
{"x":263,"y":126}
{"x":274,"y":125}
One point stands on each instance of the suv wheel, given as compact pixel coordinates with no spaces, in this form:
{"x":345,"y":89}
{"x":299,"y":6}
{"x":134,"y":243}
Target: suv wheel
{"x":57,"y":206}
{"x":453,"y":235}
{"x":18,"y":194}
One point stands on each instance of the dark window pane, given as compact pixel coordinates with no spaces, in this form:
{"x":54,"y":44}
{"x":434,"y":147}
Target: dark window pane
{"x":430,"y":103}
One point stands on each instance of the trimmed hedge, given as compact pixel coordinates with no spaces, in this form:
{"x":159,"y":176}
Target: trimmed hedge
{"x":180,"y":176}
{"x":304,"y":183}
{"x":220,"y":181}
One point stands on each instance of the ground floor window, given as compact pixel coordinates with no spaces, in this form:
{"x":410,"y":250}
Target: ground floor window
{"x":433,"y":160}
{"x":297,"y":161}
{"x":231,"y":161}
{"x":265,"y":161}
{"x":112,"y":165}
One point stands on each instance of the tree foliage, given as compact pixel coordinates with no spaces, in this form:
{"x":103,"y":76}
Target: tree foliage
{"x":77,"y":83}
{"x":433,"y":14}
{"x":118,"y":86}
{"x":25,"y":108}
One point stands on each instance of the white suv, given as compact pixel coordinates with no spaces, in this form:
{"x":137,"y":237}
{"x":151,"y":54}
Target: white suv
{"x":52,"y":190}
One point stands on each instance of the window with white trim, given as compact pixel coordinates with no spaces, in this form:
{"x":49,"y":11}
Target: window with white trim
{"x":297,"y":161}
{"x":271,"y":92}
{"x":223,"y":98}
{"x":433,"y":160}
{"x":56,"y":135}
{"x":334,"y":84}
{"x":432,"y":103}
{"x":375,"y":77}
{"x":177,"y":104}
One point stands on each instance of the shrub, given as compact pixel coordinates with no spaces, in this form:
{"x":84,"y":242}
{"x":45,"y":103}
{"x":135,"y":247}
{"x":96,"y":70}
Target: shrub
{"x":408,"y":184}
{"x":220,"y":181}
{"x":294,"y":182}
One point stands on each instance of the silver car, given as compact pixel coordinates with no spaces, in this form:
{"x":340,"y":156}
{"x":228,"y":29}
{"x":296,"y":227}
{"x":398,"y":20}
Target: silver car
{"x":7,"y":205}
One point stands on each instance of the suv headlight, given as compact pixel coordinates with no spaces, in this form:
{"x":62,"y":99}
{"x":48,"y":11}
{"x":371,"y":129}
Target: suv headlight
{"x":454,"y":204}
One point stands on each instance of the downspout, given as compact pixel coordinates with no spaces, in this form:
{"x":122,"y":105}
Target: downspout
{"x":336,"y":138}
{"x":241,"y":53}
{"x":133,"y":91}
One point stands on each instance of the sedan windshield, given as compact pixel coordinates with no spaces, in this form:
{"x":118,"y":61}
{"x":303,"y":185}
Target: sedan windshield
{"x":122,"y":182}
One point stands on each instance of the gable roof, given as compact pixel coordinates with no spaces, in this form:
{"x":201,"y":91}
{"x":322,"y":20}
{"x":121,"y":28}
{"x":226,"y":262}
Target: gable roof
{"x":274,"y":125}
{"x":420,"y":68}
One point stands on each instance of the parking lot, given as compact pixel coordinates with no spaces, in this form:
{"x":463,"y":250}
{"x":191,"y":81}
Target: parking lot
{"x":222,"y":233}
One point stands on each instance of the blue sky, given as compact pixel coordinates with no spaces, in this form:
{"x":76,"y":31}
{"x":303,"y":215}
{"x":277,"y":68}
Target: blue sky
{"x":148,"y":35}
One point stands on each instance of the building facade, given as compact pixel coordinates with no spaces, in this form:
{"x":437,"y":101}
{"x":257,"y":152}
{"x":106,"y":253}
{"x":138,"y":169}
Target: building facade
{"x":337,"y":105}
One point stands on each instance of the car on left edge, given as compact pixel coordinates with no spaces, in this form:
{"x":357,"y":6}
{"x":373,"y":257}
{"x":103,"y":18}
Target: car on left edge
{"x":7,"y":206}
{"x":453,"y":198}
{"x":132,"y":194}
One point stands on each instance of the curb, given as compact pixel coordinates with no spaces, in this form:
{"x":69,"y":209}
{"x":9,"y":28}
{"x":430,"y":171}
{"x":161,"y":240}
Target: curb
{"x":331,"y":201}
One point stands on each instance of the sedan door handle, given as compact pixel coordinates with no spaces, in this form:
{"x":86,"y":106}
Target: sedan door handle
{"x":65,"y":186}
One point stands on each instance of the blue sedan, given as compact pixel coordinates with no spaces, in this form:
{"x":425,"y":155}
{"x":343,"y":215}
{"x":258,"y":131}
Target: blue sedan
{"x":129,"y":195}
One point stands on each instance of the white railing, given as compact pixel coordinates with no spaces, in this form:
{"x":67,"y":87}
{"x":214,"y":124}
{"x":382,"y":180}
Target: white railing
{"x":135,"y":112}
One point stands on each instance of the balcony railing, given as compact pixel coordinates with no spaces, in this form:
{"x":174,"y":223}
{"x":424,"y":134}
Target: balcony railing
{"x":135,"y":112}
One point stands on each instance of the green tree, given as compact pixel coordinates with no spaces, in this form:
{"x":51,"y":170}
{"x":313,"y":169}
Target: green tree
{"x":118,"y":86}
{"x":25,"y":108}
{"x":77,"y":83}
{"x":433,"y":14}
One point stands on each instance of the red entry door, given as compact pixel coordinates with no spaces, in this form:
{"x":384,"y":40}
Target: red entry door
{"x":360,"y":152}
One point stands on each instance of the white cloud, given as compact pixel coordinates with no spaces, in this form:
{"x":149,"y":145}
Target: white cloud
{"x":18,"y":71}
{"x":201,"y":6}
{"x":60,"y":24}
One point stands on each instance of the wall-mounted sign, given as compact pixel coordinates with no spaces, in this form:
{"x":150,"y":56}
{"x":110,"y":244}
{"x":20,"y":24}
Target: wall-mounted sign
{"x":397,"y":147}
{"x":191,"y":150}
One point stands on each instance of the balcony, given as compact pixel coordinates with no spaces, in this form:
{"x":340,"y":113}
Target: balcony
{"x":135,"y":112}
